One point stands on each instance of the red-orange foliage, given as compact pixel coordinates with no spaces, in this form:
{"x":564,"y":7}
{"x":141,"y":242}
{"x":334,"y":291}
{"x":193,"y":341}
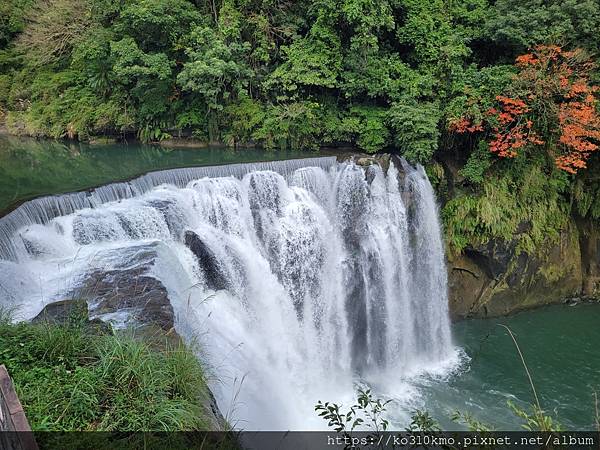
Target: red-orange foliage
{"x":551,"y":96}
{"x":580,"y":126}
{"x":510,"y":133}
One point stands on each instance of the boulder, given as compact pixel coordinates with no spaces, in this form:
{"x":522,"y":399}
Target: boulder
{"x":366,"y":161}
{"x":141,"y":298}
{"x":65,"y":312}
{"x":102,"y":140}
{"x":127,"y":293}
{"x":62,"y":311}
{"x":183,"y":143}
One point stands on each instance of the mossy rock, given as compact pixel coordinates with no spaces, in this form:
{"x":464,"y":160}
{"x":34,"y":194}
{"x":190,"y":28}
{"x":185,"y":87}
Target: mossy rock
{"x":102,"y":140}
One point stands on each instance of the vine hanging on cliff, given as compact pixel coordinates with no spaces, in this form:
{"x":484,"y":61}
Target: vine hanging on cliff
{"x":550,"y":106}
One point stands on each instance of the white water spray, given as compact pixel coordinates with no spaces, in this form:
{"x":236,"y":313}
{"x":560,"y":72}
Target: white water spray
{"x":299,"y":277}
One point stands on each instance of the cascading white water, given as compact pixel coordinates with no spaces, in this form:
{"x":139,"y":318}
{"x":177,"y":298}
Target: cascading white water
{"x":299,"y":278}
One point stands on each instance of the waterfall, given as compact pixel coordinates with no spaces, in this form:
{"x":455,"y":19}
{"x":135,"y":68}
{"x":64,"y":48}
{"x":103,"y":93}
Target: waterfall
{"x":298,"y":278}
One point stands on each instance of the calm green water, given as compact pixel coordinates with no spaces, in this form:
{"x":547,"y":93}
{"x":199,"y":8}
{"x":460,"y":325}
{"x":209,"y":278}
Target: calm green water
{"x":31,"y":168}
{"x":561,"y":346}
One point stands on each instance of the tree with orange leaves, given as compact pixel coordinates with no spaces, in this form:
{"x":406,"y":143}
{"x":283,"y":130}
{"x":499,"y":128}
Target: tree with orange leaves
{"x":550,"y":105}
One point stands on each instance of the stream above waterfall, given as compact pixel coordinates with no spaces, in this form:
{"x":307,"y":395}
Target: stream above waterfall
{"x":300,"y":279}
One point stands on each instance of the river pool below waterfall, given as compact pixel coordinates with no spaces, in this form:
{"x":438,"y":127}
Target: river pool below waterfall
{"x":274,"y":247}
{"x":560,"y":346}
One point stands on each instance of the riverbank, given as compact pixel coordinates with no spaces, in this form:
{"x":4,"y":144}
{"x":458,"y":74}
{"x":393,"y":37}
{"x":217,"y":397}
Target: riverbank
{"x":73,"y":374}
{"x":180,"y":140}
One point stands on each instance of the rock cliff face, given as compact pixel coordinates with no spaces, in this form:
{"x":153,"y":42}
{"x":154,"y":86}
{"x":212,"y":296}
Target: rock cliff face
{"x":495,"y":279}
{"x":589,"y":245}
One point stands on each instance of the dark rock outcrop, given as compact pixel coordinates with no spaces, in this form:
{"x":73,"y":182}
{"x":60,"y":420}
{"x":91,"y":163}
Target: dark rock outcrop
{"x":215,"y":279}
{"x":142,"y":297}
{"x":62,"y":311}
{"x":589,"y":243}
{"x":65,"y":312}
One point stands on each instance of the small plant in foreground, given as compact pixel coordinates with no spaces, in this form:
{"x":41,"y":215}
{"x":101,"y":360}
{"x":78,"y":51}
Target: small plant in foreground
{"x":367,"y":411}
{"x":422,"y":422}
{"x":538,"y":421}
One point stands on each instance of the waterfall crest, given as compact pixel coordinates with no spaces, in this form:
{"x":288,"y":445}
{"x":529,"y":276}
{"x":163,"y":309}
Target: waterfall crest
{"x":299,"y":277}
{"x":44,"y":209}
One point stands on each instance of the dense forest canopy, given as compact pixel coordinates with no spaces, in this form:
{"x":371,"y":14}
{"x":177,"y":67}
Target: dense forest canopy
{"x":506,"y":87}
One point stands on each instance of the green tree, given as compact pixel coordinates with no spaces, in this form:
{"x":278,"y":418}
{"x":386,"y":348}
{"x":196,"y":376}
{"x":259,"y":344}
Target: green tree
{"x":520,"y":25}
{"x":216,"y":71}
{"x":415,"y":126}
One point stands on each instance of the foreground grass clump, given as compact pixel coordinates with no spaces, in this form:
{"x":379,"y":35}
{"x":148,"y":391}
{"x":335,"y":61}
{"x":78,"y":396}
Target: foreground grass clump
{"x":77,"y":376}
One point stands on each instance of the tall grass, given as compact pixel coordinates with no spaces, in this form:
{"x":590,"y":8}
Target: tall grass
{"x":73,"y":377}
{"x":145,"y":389}
{"x":6,"y":314}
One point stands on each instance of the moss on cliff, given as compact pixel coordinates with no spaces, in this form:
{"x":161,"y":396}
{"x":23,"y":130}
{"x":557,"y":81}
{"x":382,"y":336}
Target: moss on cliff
{"x":517,"y":238}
